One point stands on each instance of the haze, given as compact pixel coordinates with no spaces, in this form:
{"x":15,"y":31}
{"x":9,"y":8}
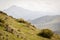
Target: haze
{"x":48,"y":7}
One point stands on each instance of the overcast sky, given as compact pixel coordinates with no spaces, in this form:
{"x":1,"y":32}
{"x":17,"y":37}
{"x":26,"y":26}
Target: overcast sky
{"x":52,"y":6}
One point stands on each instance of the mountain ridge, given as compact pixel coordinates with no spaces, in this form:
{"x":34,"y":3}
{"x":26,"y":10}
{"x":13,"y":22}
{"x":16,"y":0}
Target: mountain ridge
{"x":51,"y":22}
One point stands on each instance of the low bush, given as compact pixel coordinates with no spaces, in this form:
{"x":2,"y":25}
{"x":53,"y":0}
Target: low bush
{"x":21,"y":20}
{"x":1,"y":21}
{"x":46,"y":33}
{"x":1,"y":12}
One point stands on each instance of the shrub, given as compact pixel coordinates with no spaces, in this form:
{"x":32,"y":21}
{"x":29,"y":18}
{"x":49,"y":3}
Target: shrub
{"x":1,"y":12}
{"x":33,"y":26}
{"x":18,"y":30}
{"x":12,"y":30}
{"x":46,"y":33}
{"x":3,"y":37}
{"x":0,"y":34}
{"x":17,"y":36}
{"x":21,"y":20}
{"x":2,"y":21}
{"x":6,"y":35}
{"x":0,"y":24}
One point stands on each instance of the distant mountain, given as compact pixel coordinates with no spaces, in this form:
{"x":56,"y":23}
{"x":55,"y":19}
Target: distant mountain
{"x":50,"y":22}
{"x":19,"y":12}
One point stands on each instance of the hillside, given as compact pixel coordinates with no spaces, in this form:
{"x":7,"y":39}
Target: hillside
{"x":51,"y":22}
{"x":19,"y":29}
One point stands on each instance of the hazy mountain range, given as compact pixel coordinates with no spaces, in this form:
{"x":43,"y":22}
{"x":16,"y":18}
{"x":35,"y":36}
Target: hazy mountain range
{"x":50,"y":22}
{"x":19,"y":12}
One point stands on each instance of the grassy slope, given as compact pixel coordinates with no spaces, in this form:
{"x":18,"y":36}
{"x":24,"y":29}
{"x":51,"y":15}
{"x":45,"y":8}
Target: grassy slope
{"x":26,"y":32}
